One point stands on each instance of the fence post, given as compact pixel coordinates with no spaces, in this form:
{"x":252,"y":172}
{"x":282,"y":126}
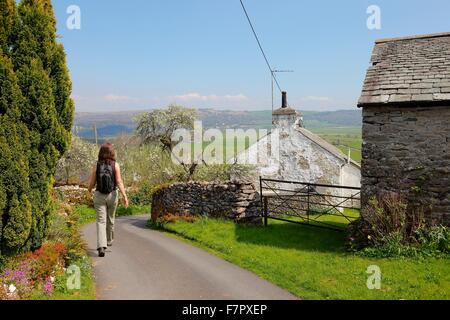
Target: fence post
{"x":308,"y":206}
{"x":265,"y":211}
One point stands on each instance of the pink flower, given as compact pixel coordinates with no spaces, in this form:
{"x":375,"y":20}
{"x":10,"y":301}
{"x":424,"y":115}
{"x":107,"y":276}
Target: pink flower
{"x":48,"y":286}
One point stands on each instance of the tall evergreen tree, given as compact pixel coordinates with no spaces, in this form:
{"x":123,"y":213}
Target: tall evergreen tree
{"x":15,"y":207}
{"x":36,"y":119}
{"x":37,"y":40}
{"x":8,"y":22}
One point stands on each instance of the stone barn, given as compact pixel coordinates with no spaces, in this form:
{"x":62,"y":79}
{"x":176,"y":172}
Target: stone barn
{"x":301,"y":155}
{"x":406,"y":122}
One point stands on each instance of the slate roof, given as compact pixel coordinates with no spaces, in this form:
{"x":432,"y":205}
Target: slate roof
{"x":325,"y":145}
{"x":409,"y":70}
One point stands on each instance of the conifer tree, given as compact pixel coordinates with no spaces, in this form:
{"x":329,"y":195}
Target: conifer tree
{"x":15,"y":207}
{"x":8,"y":22}
{"x":36,"y":116}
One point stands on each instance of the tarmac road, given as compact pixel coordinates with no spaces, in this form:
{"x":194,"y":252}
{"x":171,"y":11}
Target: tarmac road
{"x":145,"y":264}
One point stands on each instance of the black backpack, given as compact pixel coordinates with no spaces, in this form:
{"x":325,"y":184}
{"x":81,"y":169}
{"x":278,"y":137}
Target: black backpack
{"x":106,"y":178}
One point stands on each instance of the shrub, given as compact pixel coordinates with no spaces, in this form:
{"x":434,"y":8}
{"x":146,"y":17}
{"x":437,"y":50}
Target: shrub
{"x":76,"y":164}
{"x":141,"y":195}
{"x":390,"y":228}
{"x":434,"y":239}
{"x":48,"y":259}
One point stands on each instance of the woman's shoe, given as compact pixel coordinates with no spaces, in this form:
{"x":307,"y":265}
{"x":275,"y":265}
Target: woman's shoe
{"x":101,"y":252}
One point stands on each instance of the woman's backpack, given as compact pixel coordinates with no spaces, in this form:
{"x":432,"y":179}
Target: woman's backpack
{"x":106,"y":178}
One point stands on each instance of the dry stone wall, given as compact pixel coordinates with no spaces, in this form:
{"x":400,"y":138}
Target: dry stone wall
{"x":407,"y":149}
{"x":233,"y":200}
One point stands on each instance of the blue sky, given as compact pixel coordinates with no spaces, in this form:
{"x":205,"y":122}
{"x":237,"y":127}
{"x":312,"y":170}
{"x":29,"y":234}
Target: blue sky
{"x":142,"y":54}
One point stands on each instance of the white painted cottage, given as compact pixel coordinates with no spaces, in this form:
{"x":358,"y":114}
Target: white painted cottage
{"x":291,"y":152}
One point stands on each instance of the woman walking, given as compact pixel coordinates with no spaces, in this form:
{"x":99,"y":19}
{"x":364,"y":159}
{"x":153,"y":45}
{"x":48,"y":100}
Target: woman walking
{"x":106,"y":176}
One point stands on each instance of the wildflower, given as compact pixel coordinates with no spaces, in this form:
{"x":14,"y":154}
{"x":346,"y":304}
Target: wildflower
{"x":48,"y":286}
{"x":12,"y":288}
{"x":52,"y":279}
{"x":369,"y":237}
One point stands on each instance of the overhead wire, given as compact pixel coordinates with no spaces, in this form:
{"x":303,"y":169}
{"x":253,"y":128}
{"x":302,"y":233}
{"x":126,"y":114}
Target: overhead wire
{"x":260,"y":46}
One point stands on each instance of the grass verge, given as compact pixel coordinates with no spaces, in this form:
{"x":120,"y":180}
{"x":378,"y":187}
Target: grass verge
{"x":312,"y":263}
{"x":87,"y":214}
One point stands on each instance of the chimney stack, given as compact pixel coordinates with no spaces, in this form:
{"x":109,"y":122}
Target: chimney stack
{"x":284,"y":100}
{"x":286,"y":117}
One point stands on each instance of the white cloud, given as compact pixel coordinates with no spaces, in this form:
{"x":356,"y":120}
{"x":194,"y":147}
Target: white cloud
{"x":194,"y":96}
{"x":119,"y":98}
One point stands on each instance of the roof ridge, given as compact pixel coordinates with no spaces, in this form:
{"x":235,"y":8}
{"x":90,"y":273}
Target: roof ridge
{"x":325,"y":145}
{"x":423,"y":36}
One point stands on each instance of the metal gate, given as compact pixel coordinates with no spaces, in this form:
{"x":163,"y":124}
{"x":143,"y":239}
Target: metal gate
{"x":320,"y":205}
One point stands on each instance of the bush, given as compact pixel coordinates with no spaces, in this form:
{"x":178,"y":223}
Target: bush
{"x":47,"y":259}
{"x":429,"y":242}
{"x":141,"y":195}
{"x":76,"y":165}
{"x":389,"y":228}
{"x":435,"y":239}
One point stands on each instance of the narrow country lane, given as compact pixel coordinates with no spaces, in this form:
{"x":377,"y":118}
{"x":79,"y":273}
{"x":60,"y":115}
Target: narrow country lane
{"x":146,"y":264}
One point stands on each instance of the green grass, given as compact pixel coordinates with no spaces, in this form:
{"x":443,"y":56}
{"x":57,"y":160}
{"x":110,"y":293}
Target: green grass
{"x":312,"y":263}
{"x":333,"y":220}
{"x":87,"y":214}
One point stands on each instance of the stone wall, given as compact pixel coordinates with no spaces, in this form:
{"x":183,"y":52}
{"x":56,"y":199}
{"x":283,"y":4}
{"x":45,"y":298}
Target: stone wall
{"x":73,"y":195}
{"x":237,"y":201}
{"x":407,"y":149}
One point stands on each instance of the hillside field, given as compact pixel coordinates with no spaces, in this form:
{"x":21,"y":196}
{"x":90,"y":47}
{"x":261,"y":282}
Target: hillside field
{"x":341,"y":128}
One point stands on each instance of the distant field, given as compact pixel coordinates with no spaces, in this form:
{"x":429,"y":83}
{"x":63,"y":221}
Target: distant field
{"x":340,"y":128}
{"x":343,"y":138}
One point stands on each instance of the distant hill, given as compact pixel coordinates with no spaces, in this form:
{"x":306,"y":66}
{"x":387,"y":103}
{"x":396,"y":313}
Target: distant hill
{"x":341,"y":118}
{"x":115,"y":123}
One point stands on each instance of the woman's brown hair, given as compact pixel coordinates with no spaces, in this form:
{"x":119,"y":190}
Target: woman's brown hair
{"x":107,"y":153}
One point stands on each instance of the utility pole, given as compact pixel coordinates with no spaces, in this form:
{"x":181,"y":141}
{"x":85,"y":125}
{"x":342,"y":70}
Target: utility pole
{"x":272,"y":76}
{"x":95,"y":134}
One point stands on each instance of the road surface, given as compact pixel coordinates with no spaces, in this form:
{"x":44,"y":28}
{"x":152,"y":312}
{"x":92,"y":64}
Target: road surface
{"x":146,"y":264}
